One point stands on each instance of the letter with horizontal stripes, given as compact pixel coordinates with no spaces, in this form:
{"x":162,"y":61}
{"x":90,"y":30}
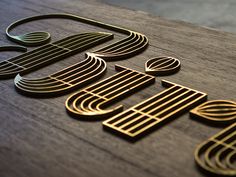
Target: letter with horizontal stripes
{"x":51,"y":53}
{"x":149,"y":114}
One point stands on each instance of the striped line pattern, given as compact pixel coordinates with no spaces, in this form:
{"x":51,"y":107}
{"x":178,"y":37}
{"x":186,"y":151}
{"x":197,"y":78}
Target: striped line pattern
{"x":217,"y":155}
{"x":91,"y":102}
{"x":146,"y":116}
{"x":217,"y":112}
{"x":50,"y":53}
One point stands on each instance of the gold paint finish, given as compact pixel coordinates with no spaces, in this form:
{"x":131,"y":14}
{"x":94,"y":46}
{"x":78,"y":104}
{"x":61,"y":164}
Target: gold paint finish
{"x":149,"y":114}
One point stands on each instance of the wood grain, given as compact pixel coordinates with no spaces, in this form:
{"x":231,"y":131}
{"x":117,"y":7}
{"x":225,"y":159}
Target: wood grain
{"x":38,"y":138}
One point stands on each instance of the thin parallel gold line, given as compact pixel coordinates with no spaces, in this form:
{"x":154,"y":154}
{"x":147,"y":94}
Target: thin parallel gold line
{"x":83,"y":41}
{"x":43,"y":56}
{"x":118,"y":84}
{"x":190,"y":103}
{"x":160,"y":64}
{"x":61,"y":81}
{"x":64,"y":48}
{"x":145,"y":128}
{"x":105,"y":81}
{"x":128,"y":43}
{"x":144,"y":113}
{"x":130,"y":122}
{"x":112,"y":81}
{"x":139,"y":124}
{"x":167,"y":66}
{"x":117,"y":44}
{"x":31,"y":53}
{"x":94,"y":94}
{"x":167,"y":102}
{"x":127,"y":85}
{"x":177,"y":103}
{"x":78,"y":74}
{"x":73,"y":39}
{"x":162,"y":98}
{"x":158,"y":61}
{"x":15,"y":64}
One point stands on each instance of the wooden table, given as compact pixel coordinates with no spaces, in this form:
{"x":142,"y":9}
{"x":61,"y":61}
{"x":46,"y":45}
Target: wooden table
{"x":38,"y":138}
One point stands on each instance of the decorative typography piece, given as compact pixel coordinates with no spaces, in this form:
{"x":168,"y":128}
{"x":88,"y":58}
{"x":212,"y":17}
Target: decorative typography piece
{"x":146,"y":116}
{"x":162,"y":66}
{"x":59,"y":82}
{"x":134,"y":43}
{"x":50,"y":53}
{"x":217,"y":155}
{"x":91,"y":102}
{"x":218,"y":111}
{"x":63,"y":81}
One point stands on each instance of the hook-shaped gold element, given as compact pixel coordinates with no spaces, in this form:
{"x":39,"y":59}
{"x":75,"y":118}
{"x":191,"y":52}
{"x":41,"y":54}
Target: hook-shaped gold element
{"x":217,"y":155}
{"x":91,"y":102}
{"x":149,"y":114}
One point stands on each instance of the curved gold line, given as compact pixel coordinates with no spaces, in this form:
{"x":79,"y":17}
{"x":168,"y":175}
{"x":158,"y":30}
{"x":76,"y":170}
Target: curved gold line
{"x":70,"y":101}
{"x":118,"y":49}
{"x":166,"y":60}
{"x":59,"y":73}
{"x":168,"y":67}
{"x":57,"y":88}
{"x":128,"y":49}
{"x":203,"y":149}
{"x":83,"y":105}
{"x":77,"y":101}
{"x":121,"y":43}
{"x":218,"y":156}
{"x":229,"y":159}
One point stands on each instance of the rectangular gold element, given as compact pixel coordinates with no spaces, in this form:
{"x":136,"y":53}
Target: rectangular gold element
{"x":146,"y":116}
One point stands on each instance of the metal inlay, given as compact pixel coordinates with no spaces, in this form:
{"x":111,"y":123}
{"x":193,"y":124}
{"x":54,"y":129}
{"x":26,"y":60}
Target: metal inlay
{"x":164,"y":65}
{"x":146,"y":116}
{"x":218,"y":112}
{"x":217,"y":155}
{"x":91,"y":102}
{"x":50,"y":53}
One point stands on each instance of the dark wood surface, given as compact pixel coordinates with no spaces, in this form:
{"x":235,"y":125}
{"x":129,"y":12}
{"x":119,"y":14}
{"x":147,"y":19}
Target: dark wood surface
{"x":38,"y":138}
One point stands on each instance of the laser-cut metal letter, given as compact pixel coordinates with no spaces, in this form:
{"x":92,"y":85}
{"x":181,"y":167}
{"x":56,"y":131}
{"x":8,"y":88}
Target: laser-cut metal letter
{"x":124,"y":48}
{"x":217,"y":155}
{"x":146,"y":116}
{"x":91,"y":102}
{"x":47,"y":86}
{"x":50,"y":53}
